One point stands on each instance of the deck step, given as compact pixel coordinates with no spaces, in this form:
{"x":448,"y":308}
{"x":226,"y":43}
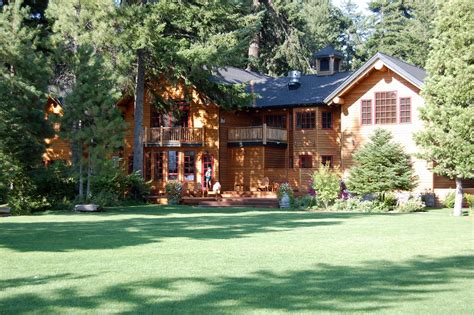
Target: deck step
{"x":248,"y":194}
{"x":242,"y":202}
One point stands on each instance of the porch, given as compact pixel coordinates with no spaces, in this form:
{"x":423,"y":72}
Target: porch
{"x":174,"y":137}
{"x":257,"y":135}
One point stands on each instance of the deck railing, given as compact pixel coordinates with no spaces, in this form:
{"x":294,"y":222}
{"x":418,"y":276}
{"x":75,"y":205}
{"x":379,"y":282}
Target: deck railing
{"x":166,"y":136}
{"x":257,"y":134}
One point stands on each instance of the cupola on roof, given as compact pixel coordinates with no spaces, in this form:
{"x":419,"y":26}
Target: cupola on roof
{"x":328,"y":51}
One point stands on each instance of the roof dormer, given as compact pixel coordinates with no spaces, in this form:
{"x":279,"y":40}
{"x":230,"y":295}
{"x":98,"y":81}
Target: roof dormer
{"x":327,"y":61}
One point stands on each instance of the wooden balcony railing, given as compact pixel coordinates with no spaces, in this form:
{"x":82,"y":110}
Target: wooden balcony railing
{"x":262,"y":134}
{"x":174,"y":136}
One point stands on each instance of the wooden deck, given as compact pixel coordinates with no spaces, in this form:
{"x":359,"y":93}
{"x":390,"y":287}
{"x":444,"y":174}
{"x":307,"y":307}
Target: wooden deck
{"x":174,"y":136}
{"x":259,"y":134}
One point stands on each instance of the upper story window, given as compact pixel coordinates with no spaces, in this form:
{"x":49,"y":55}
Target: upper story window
{"x":306,"y":161}
{"x":176,"y":118}
{"x":366,"y":112}
{"x":385,"y":107}
{"x":324,"y":64}
{"x":306,"y":120}
{"x":405,"y":110}
{"x":326,"y":120}
{"x":277,"y":121}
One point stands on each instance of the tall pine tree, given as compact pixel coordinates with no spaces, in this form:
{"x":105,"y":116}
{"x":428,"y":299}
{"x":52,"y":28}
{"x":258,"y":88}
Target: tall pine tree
{"x":448,"y":136}
{"x":23,"y":94}
{"x":100,"y":126}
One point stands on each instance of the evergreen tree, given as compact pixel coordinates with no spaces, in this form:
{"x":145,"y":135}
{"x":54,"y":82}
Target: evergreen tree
{"x":448,"y":136}
{"x":401,"y":28}
{"x":23,"y":95}
{"x":381,"y":166}
{"x":100,"y":126}
{"x":356,"y":32}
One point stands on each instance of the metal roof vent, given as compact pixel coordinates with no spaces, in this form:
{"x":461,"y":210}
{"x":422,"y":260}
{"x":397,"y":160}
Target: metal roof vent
{"x":294,"y":77}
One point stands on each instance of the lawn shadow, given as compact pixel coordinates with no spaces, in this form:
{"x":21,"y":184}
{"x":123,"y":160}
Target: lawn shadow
{"x":107,"y":233}
{"x":371,"y":286}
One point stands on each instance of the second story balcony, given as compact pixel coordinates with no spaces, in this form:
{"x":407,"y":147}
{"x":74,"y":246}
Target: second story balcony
{"x":174,"y":137}
{"x":259,"y":135}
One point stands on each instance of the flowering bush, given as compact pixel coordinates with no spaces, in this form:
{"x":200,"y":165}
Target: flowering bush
{"x":173,"y":192}
{"x":412,"y":205}
{"x":326,"y":185}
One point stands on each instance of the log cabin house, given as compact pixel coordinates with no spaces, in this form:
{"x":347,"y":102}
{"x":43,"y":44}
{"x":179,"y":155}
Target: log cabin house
{"x":293,"y":125}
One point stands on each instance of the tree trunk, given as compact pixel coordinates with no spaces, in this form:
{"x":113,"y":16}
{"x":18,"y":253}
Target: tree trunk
{"x":89,"y":174}
{"x":138,"y":114}
{"x":254,"y":48}
{"x":81,"y":181}
{"x":458,"y":199}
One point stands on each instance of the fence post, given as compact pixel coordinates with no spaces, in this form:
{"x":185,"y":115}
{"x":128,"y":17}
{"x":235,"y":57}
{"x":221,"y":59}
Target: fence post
{"x":264,"y":134}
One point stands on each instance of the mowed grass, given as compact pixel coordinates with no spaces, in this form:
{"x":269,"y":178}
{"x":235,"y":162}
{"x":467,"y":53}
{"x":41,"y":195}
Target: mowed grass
{"x":165,"y":260}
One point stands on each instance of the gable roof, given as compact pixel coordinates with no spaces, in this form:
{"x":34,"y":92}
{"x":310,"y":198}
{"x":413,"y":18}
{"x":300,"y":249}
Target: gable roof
{"x":328,"y":51}
{"x":410,"y":72}
{"x":274,"y":92}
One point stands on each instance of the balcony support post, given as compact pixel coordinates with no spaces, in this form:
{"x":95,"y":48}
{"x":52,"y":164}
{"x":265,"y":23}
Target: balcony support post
{"x":161,"y":136}
{"x":264,"y":135}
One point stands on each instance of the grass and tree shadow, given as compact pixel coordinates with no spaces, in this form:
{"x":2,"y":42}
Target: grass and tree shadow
{"x":372,"y":286}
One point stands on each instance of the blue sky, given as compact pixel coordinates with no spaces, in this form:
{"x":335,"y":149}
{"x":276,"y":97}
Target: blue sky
{"x":361,"y":3}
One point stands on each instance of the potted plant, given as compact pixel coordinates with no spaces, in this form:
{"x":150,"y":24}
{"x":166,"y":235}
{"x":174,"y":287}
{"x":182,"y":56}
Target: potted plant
{"x":285,"y":195}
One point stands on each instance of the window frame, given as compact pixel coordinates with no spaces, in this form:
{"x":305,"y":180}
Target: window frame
{"x":395,"y":118}
{"x":280,"y":118}
{"x":409,"y":111}
{"x":304,"y":156}
{"x":312,"y":121}
{"x":331,"y":160}
{"x":159,"y":163}
{"x":331,"y":120}
{"x":186,"y":166}
{"x":328,"y":65}
{"x":173,"y":176}
{"x":370,"y":114}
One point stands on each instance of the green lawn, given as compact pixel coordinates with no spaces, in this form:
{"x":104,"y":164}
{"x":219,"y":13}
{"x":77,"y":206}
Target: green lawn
{"x":191,"y":260}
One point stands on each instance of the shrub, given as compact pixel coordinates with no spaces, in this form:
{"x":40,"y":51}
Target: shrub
{"x":173,"y":192}
{"x":56,"y":184}
{"x":124,"y":187}
{"x":357,"y":205}
{"x":326,"y":185}
{"x":412,"y":205}
{"x":304,"y":202}
{"x":105,"y":199}
{"x":286,"y":188}
{"x":470,"y":200}
{"x":449,"y":200}
{"x":387,"y":200}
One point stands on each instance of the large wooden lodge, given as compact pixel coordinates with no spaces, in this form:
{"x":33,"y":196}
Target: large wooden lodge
{"x":293,"y":125}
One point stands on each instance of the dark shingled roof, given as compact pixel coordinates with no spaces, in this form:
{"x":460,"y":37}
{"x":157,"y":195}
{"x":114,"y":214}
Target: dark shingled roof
{"x":327,"y":52}
{"x":274,"y":92}
{"x":418,"y":73}
{"x":232,"y":75}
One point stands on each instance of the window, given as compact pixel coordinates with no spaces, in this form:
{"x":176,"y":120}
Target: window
{"x":147,"y":166}
{"x":326,"y":120}
{"x":159,"y":167}
{"x":183,"y":119}
{"x":172,"y":165}
{"x":306,"y":120}
{"x":337,"y":62}
{"x":324,"y":64}
{"x":366,"y":112}
{"x":189,"y":165}
{"x":306,"y":161}
{"x":385,"y":107}
{"x":327,"y":160}
{"x":405,"y":110}
{"x":277,"y":121}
